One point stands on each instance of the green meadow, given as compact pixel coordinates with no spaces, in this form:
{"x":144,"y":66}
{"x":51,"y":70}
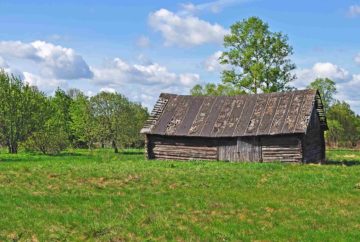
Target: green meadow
{"x":101,"y":196}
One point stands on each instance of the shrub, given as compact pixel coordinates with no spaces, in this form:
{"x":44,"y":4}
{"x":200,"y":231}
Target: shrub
{"x":47,"y":142}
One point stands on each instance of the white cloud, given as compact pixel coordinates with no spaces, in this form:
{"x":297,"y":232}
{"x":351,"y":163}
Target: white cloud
{"x":354,"y":10}
{"x":57,"y":61}
{"x":189,"y":79}
{"x":185,"y":30}
{"x":3,"y":63}
{"x":107,"y":89}
{"x":214,"y":6}
{"x":348,"y":92}
{"x":18,"y":49}
{"x":357,"y":58}
{"x":120,"y":73}
{"x":327,"y":69}
{"x":6,"y":67}
{"x":143,"y":42}
{"x":319,"y":70}
{"x":48,"y":85}
{"x":142,"y":82}
{"x":212,"y":63}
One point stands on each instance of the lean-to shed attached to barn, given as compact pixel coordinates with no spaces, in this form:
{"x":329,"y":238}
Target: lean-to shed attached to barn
{"x":287,"y":126}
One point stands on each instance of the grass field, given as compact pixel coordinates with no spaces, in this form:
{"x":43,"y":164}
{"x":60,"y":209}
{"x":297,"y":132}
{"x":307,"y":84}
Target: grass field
{"x":101,"y":196}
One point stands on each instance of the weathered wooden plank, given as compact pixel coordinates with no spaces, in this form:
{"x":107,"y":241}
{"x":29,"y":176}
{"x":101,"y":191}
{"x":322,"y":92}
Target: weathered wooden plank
{"x":178,"y":140}
{"x":280,"y":140}
{"x":228,"y":150}
{"x":249,"y":149}
{"x":180,"y":158}
{"x":184,"y":155}
{"x":155,"y":115}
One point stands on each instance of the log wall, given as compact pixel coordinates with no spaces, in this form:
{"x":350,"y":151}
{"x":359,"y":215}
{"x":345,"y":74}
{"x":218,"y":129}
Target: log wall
{"x":181,"y":148}
{"x":313,"y":141}
{"x":286,"y":148}
{"x":281,"y":148}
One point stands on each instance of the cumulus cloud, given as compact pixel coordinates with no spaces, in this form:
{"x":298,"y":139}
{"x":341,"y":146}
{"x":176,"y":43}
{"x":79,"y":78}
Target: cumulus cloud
{"x":327,"y":69}
{"x":212,"y":63}
{"x":3,"y":63}
{"x":185,"y":30}
{"x":189,"y":79}
{"x":348,"y":92}
{"x":319,"y":70}
{"x":119,"y":72}
{"x":107,"y":89}
{"x":354,"y":10}
{"x":48,"y":85}
{"x":57,"y":61}
{"x":214,"y":6}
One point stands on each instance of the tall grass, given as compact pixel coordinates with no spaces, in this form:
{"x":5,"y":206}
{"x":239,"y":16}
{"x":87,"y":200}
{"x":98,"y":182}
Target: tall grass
{"x":100,"y":196}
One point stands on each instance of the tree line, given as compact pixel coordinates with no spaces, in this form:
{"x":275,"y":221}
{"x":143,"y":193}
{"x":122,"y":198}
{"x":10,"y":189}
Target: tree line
{"x":50,"y":124}
{"x":343,"y":123}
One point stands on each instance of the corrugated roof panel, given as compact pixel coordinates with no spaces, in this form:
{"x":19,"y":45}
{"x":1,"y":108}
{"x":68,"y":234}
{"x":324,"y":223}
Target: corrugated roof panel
{"x":166,"y":116}
{"x":223,"y":117}
{"x":280,"y":114}
{"x":267,"y":119}
{"x":185,"y":125}
{"x":246,"y":115}
{"x":305,"y":112}
{"x":234,"y":116}
{"x":243,"y":115}
{"x":257,"y":115}
{"x":179,"y":114}
{"x":214,"y":113}
{"x":293,"y":113}
{"x":202,"y":116}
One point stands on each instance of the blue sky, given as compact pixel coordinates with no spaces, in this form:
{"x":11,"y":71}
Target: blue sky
{"x":142,"y":48}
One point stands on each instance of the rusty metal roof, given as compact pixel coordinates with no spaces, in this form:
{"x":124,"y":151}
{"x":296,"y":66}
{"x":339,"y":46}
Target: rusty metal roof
{"x":243,"y":115}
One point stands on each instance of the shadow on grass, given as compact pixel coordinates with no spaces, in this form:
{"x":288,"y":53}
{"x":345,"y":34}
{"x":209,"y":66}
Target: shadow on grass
{"x":342,"y":163}
{"x":35,"y":157}
{"x":71,"y":154}
{"x":132,"y":152}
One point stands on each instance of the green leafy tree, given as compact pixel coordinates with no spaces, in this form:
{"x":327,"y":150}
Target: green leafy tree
{"x":82,"y":124}
{"x":111,"y":117}
{"x":61,"y":119}
{"x":327,"y":89}
{"x":335,"y":133}
{"x":212,"y":89}
{"x":344,"y":125}
{"x":259,"y":58}
{"x":138,"y":115}
{"x":50,"y":140}
{"x":118,"y":121}
{"x":21,"y":111}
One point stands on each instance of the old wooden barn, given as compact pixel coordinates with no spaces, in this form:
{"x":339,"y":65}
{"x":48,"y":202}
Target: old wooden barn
{"x":262,"y":127}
